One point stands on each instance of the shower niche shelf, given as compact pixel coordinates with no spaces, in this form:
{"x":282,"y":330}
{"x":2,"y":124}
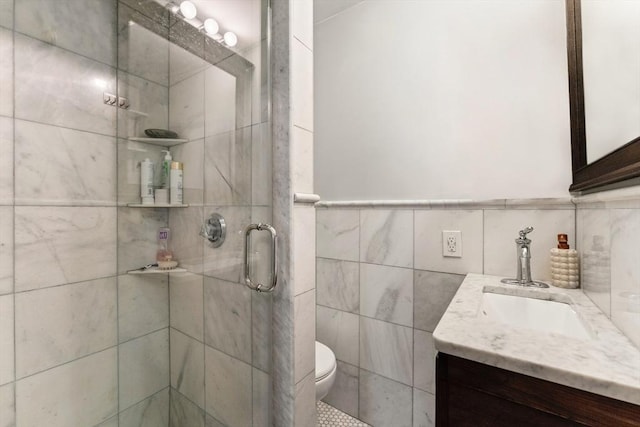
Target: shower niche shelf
{"x":165,"y":142}
{"x":156,"y":270}
{"x":158,"y":205}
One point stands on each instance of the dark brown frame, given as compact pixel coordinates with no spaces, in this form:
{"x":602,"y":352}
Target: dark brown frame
{"x":621,"y":164}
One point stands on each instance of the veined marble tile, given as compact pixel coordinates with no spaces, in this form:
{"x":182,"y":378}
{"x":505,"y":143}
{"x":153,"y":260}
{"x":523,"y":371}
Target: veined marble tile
{"x":594,"y":248}
{"x":432,"y":294}
{"x":424,"y":409}
{"x":7,"y":405}
{"x":6,"y":249}
{"x":111,"y":422}
{"x":340,"y":332}
{"x":302,"y":164}
{"x":344,"y":392}
{"x":7,"y":368}
{"x":301,"y":85}
{"x":386,"y":349}
{"x":62,"y":166}
{"x":338,"y":234}
{"x":304,"y":245}
{"x":185,"y":225}
{"x":187,"y":366}
{"x":144,"y":367}
{"x":304,"y":335}
{"x":191,"y":154}
{"x":183,"y":412}
{"x":87,"y":27}
{"x":219,"y":101}
{"x":424,"y":361}
{"x":227,"y":318}
{"x":305,"y":411}
{"x":386,"y":237}
{"x":384,"y":402}
{"x":151,"y":412}
{"x":302,"y":21}
{"x":386,"y":293}
{"x":227,"y":261}
{"x":429,"y":225}
{"x":67,"y":244}
{"x":186,"y":107}
{"x":261,"y":165}
{"x":137,"y":236}
{"x":145,"y":96}
{"x":6,"y":159}
{"x":186,"y":304}
{"x":261,"y":399}
{"x":77,"y":394}
{"x":501,"y":229}
{"x":227,"y":168}
{"x":143,"y":304}
{"x":261,"y":330}
{"x":338,"y":284}
{"x":6,"y":72}
{"x":184,"y":64}
{"x":130,"y":154}
{"x":228,"y":388}
{"x":60,"y":324}
{"x":6,"y":20}
{"x":140,"y":51}
{"x":57,"y":87}
{"x":625,"y":272}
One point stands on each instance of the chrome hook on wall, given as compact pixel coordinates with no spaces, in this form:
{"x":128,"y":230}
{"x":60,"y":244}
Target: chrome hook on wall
{"x":214,"y":230}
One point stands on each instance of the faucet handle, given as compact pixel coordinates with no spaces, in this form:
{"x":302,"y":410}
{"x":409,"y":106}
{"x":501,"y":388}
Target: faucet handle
{"x":523,"y":233}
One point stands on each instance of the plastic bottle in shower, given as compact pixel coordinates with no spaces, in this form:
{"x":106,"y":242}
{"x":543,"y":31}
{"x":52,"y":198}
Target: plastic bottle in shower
{"x":146,"y":182}
{"x":164,"y":253}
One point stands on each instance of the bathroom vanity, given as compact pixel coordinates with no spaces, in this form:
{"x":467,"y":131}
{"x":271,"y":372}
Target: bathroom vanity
{"x":554,"y":360}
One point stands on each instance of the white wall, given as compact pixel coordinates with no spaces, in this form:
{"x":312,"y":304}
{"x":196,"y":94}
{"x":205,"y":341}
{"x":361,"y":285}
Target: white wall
{"x":442,"y":99}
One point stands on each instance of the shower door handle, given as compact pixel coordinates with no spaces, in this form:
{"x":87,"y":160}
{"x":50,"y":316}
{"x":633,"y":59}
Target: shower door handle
{"x":274,"y":258}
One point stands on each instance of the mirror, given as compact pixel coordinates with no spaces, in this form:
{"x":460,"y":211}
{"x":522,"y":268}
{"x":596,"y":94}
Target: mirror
{"x":603,"y":41}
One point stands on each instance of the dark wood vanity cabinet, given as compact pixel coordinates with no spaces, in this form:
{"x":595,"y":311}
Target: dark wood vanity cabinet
{"x":473,"y":394}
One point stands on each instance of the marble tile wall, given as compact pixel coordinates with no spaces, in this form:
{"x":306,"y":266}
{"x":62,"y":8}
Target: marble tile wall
{"x":81,"y":342}
{"x":383,"y":284}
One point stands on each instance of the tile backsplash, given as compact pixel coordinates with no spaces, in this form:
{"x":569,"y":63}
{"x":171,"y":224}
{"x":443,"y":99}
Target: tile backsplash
{"x":383,"y":284}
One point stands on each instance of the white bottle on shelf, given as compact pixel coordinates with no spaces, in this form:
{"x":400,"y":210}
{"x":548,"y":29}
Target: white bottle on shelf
{"x":176,"y":183}
{"x":146,"y":182}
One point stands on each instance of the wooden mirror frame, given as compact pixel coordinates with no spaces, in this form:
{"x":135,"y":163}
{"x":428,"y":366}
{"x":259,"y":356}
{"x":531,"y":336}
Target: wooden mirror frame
{"x":619,"y":165}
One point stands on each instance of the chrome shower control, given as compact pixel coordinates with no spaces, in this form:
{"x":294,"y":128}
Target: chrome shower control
{"x":214,"y":230}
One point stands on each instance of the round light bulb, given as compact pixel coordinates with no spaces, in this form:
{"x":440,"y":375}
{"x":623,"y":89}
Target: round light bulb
{"x":211,"y":26}
{"x":230,"y":39}
{"x":188,"y":9}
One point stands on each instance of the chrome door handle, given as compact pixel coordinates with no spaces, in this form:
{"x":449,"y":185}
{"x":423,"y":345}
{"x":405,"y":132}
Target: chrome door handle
{"x":247,"y":251}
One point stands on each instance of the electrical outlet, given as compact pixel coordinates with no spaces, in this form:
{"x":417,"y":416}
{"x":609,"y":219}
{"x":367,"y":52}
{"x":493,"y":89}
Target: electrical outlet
{"x":452,"y":243}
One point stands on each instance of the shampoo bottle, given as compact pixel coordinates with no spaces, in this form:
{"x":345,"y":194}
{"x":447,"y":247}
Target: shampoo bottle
{"x":564,"y":265}
{"x":176,"y":183}
{"x":146,"y":182}
{"x":166,"y":167}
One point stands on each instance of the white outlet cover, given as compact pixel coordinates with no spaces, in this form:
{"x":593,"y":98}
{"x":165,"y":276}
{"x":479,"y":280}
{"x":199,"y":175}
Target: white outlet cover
{"x":452,"y":243}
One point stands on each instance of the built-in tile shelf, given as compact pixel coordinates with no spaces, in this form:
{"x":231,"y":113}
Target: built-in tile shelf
{"x":165,"y":142}
{"x":157,"y":205}
{"x":156,"y":270}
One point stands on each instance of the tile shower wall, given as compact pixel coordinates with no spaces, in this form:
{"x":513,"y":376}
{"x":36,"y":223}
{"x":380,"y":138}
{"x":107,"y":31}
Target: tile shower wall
{"x":81,"y":343}
{"x":383,"y":284}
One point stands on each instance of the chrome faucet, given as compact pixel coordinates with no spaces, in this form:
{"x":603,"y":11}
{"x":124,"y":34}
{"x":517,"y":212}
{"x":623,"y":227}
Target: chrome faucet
{"x":523,"y":272}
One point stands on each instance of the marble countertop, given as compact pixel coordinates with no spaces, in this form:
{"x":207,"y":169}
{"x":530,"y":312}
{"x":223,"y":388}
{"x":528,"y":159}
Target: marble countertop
{"x":608,"y":364}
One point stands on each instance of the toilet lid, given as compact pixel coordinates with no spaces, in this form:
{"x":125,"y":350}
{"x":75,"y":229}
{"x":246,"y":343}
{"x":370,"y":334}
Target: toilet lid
{"x":325,"y":360}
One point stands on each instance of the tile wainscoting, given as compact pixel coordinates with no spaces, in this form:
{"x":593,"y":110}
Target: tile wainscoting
{"x":383,"y":284}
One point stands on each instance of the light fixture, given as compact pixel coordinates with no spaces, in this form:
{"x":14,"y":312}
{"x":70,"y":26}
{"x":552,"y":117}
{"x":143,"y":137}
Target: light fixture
{"x":230,"y":39}
{"x":188,"y":9}
{"x":211,"y":26}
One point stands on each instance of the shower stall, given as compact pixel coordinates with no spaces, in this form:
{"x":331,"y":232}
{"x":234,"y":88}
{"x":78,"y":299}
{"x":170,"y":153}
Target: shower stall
{"x":87,"y":338}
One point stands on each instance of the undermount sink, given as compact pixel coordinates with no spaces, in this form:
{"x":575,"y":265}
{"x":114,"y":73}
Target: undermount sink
{"x":534,"y":312}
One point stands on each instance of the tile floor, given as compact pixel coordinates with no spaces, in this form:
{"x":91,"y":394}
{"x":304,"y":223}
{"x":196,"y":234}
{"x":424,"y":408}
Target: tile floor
{"x":328,"y":416}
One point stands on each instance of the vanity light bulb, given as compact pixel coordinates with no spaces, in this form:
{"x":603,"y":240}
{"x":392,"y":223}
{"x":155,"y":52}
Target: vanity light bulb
{"x":230,"y":39}
{"x":211,"y":26}
{"x":188,"y":9}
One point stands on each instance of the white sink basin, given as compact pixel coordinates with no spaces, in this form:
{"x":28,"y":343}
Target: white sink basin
{"x":533,"y":313}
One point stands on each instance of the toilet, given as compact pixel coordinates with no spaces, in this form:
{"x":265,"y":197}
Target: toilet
{"x":326,"y":368}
